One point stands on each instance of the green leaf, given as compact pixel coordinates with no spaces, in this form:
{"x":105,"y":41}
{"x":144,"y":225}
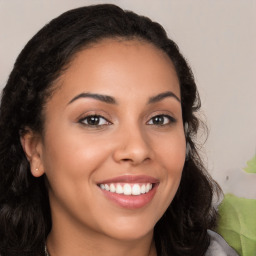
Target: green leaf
{"x":251,"y":165}
{"x":237,"y":223}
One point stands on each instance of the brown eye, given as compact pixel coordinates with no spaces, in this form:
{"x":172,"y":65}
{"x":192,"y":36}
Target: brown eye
{"x":161,"y":120}
{"x":94,"y":120}
{"x":158,"y":120}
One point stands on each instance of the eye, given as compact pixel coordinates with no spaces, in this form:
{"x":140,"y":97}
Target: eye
{"x":94,"y":120}
{"x":161,"y":120}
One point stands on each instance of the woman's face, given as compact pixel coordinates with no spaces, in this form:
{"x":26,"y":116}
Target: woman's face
{"x":114,"y":146}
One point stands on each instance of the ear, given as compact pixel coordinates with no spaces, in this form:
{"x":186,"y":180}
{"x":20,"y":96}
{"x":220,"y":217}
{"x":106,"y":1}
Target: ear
{"x":32,"y":146}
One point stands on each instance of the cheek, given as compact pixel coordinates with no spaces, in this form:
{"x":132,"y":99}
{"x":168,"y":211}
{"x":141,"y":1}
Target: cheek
{"x":71,"y":161}
{"x":171,"y":152}
{"x":73,"y":156}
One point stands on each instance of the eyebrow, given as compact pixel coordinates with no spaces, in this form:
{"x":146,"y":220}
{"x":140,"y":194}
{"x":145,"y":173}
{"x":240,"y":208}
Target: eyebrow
{"x":111,"y":100}
{"x":100,"y":97}
{"x":162,"y":96}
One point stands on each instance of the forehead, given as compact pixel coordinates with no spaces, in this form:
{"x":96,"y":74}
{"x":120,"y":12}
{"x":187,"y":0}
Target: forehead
{"x":122,"y":65}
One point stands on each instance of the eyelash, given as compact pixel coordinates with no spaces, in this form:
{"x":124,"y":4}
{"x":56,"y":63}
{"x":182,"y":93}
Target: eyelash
{"x":166,"y":119}
{"x":91,"y":117}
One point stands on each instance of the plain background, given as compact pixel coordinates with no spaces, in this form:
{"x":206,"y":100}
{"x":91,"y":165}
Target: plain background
{"x":218,"y":38}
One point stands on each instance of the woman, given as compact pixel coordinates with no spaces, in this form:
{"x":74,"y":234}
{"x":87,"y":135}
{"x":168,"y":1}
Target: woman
{"x":98,"y":153}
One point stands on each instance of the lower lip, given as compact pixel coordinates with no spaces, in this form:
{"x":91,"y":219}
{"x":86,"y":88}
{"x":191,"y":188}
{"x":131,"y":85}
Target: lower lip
{"x":131,"y":202}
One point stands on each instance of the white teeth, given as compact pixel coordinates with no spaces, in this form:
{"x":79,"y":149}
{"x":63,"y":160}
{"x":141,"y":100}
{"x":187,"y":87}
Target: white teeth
{"x":143,"y":189}
{"x":112,"y":188}
{"x":136,"y":190}
{"x":148,"y":187}
{"x":119,"y":189}
{"x":127,"y":189}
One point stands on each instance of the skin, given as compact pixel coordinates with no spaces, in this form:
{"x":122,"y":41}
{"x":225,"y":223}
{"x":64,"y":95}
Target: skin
{"x":76,"y":156}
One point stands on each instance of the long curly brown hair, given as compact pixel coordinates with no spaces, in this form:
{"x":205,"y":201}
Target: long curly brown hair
{"x":25,"y":219}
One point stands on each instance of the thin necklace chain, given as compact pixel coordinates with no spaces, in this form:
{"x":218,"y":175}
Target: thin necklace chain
{"x":46,"y":251}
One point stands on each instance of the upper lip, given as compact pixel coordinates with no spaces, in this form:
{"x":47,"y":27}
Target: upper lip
{"x":130,"y":179}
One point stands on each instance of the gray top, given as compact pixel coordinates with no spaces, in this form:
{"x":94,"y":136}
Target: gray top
{"x":219,"y":247}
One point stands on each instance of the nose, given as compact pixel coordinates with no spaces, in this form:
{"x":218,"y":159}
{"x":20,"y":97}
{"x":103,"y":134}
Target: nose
{"x":132,"y":146}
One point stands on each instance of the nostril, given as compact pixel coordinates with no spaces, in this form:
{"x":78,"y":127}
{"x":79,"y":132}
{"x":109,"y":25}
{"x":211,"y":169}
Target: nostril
{"x":132,"y":151}
{"x":135,"y":160}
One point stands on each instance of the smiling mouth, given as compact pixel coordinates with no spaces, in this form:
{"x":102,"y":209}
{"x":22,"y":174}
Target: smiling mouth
{"x":128,"y":189}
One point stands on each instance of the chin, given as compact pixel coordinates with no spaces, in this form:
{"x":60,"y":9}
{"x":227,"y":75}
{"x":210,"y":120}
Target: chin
{"x":130,"y":230}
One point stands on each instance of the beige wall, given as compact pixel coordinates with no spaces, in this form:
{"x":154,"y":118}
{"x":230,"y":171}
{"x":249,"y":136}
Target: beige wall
{"x":217,"y":37}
